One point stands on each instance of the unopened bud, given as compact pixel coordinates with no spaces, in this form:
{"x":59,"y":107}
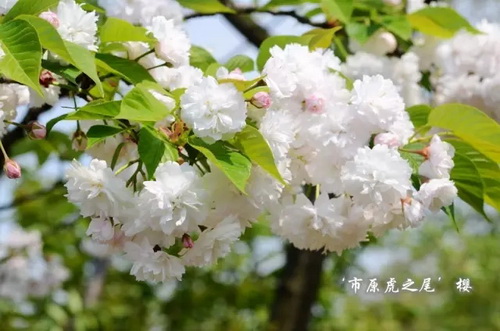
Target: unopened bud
{"x":187,"y":241}
{"x":384,"y":43}
{"x":236,"y":74}
{"x":46,"y":78}
{"x":79,"y":141}
{"x":36,"y":131}
{"x":51,"y":18}
{"x":12,"y":169}
{"x":315,"y":104}
{"x":261,"y":100}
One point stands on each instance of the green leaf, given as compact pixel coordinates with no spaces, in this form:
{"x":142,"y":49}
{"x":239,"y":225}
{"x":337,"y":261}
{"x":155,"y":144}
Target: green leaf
{"x":233,"y":164}
{"x":441,"y":22}
{"x":321,"y":38}
{"x":200,"y":58}
{"x":399,"y":25}
{"x":84,"y":60}
{"x":280,"y":41}
{"x":489,"y":171}
{"x":419,"y":115}
{"x":78,"y":56}
{"x":99,"y":133}
{"x":29,"y":7}
{"x":129,"y":70}
{"x":250,"y":93}
{"x":338,"y":9}
{"x":96,"y":110}
{"x":50,"y":124}
{"x":277,"y":3}
{"x":23,"y":53}
{"x":450,"y":211}
{"x":251,"y":142}
{"x":242,"y":62}
{"x":117,"y":30}
{"x":471,"y":125}
{"x":241,"y":85}
{"x":467,"y":180}
{"x":151,"y":149}
{"x":206,"y":6}
{"x":414,"y":160}
{"x":140,"y":105}
{"x":70,"y":73}
{"x":361,"y":32}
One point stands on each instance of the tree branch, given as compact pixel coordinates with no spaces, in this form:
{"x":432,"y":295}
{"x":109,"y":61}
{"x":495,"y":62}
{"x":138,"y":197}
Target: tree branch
{"x":248,"y":11}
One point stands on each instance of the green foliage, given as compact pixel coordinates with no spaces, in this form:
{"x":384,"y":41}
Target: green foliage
{"x":96,"y":110}
{"x":117,"y":30}
{"x":251,"y":142}
{"x":206,"y":6}
{"x":399,"y":25}
{"x":232,"y":163}
{"x":153,"y":150}
{"x":278,"y":3}
{"x":280,"y":41}
{"x":129,"y":70}
{"x":489,"y":171}
{"x":361,"y":31}
{"x":321,"y":38}
{"x":419,"y":115}
{"x":441,"y":22}
{"x":243,"y":62}
{"x":98,"y":133}
{"x":140,"y":105}
{"x":338,"y":9}
{"x":471,"y":125}
{"x":200,"y":58}
{"x":29,"y":7}
{"x":23,"y":53}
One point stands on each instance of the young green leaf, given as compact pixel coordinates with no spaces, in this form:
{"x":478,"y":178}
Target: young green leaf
{"x":206,"y":6}
{"x":151,"y":149}
{"x":129,"y":70}
{"x":200,"y":58}
{"x":441,"y":22}
{"x":471,"y":125}
{"x":419,"y":115}
{"x":233,"y":164}
{"x":96,"y":110}
{"x":242,"y":62}
{"x":399,"y":25}
{"x":321,"y":38}
{"x":29,"y":7}
{"x":99,"y":133}
{"x":251,"y":142}
{"x":338,"y":9}
{"x":23,"y":53}
{"x":140,"y":105}
{"x":117,"y":30}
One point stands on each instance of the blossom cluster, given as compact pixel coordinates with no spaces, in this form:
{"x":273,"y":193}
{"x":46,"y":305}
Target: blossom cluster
{"x":336,"y":149}
{"x":24,"y":270}
{"x":341,"y":152}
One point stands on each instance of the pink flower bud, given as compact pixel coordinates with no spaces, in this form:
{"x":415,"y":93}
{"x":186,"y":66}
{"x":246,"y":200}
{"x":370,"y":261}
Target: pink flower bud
{"x":236,"y":74}
{"x":187,"y":241}
{"x":261,"y":100}
{"x":36,"y":131}
{"x":51,"y":18}
{"x":315,"y":104}
{"x":12,"y":169}
{"x":46,"y":78}
{"x":389,"y":139}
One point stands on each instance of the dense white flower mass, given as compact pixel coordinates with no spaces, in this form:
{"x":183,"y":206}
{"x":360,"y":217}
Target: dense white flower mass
{"x":336,"y":149}
{"x":214,"y":111}
{"x":77,"y":25}
{"x":173,"y":44}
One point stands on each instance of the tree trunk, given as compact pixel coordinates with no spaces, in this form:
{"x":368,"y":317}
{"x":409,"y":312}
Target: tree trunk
{"x":297,"y":290}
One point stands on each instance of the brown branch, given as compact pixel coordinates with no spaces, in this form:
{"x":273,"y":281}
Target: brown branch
{"x":248,"y":11}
